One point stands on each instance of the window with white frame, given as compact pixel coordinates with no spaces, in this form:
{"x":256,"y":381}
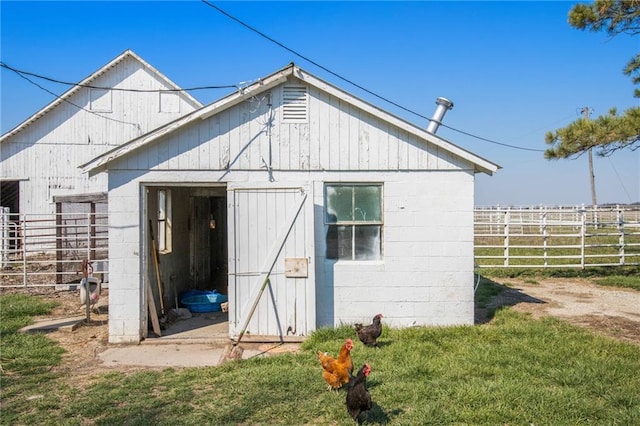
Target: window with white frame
{"x":353,"y":215}
{"x":164,"y":220}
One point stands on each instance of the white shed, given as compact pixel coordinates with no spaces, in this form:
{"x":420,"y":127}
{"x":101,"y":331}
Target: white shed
{"x":346,"y":209}
{"x":39,"y":158}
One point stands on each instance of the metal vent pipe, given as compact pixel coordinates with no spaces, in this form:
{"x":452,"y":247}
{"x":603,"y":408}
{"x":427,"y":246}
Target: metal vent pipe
{"x":443,"y":105}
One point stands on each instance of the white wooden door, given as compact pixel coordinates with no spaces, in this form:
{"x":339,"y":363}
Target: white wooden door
{"x":271,"y":237}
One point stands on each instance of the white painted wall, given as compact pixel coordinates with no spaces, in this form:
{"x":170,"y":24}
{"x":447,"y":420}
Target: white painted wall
{"x":426,"y":274}
{"x":127,"y":310}
{"x":424,"y":278}
{"x":45,"y":155}
{"x":337,"y":137}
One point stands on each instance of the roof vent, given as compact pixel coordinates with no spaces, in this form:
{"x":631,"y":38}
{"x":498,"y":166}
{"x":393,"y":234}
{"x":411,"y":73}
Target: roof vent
{"x":444,"y":105}
{"x":294,"y":104}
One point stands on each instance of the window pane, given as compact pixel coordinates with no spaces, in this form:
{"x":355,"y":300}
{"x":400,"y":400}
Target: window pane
{"x":339,"y":203}
{"x":162,"y":204}
{"x":332,"y":242}
{"x":345,"y":242}
{"x":367,"y":242}
{"x":339,"y":242}
{"x":367,"y":203}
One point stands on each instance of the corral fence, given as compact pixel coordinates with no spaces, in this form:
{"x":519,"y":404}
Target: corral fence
{"x":47,"y":250}
{"x":559,"y":237}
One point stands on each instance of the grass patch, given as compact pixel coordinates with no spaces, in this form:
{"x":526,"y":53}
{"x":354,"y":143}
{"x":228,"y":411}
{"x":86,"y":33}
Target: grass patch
{"x":29,"y":389}
{"x":513,"y":370}
{"x":486,"y":290}
{"x":624,"y":281}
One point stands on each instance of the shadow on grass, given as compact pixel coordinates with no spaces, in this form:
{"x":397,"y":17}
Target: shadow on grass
{"x":491,"y":296}
{"x":377,"y":415}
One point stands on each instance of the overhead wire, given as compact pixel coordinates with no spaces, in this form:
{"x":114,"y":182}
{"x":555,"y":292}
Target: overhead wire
{"x":78,"y":106}
{"x":23,"y":74}
{"x":624,"y":188}
{"x":356,"y":84}
{"x":90,"y":86}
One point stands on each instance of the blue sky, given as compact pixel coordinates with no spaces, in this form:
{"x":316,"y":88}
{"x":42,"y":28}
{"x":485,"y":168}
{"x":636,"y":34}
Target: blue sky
{"x":514,"y":70}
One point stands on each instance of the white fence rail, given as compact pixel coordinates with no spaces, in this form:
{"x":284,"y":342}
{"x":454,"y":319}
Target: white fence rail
{"x":45,"y":250}
{"x":542,"y":237}
{"x":48,"y":250}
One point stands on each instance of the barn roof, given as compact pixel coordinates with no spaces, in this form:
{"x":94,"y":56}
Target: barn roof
{"x":87,"y":81}
{"x":101,"y":162}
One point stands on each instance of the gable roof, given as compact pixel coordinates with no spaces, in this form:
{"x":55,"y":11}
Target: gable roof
{"x":101,"y":162}
{"x":87,"y":81}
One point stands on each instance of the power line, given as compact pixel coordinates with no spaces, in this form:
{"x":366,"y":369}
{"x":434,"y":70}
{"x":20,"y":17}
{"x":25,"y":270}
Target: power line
{"x":53,"y":80}
{"x":491,"y":141}
{"x":620,"y":180}
{"x":78,"y":106}
{"x":23,"y":74}
{"x":355,"y":84}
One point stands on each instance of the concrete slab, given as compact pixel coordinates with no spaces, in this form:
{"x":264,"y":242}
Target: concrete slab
{"x":197,"y":342}
{"x":63,"y":324}
{"x":167,"y":355}
{"x":183,"y":354}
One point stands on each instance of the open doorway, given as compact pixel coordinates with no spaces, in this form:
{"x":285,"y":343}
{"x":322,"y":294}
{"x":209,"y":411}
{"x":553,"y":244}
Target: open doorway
{"x":187,"y":228}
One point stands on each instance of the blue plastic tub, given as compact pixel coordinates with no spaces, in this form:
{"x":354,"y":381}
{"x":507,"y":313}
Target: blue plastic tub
{"x":198,"y":301}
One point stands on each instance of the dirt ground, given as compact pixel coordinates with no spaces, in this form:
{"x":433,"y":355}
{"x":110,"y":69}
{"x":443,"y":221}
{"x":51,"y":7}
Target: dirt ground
{"x":610,"y":311}
{"x":613,"y":312}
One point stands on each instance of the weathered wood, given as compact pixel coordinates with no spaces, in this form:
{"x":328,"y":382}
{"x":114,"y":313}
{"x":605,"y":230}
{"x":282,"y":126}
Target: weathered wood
{"x":153,"y":313}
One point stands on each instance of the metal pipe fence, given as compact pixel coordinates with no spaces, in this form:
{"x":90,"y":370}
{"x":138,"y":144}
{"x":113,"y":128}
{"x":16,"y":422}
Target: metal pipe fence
{"x":541,"y":237}
{"x":46,"y":250}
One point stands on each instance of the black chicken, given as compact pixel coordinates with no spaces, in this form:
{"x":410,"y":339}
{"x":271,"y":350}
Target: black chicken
{"x":369,"y":334}
{"x":358,"y":398}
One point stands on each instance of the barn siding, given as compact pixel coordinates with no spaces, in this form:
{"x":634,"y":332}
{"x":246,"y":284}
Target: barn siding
{"x":426,"y":274}
{"x":338,"y":136}
{"x":47,"y":153}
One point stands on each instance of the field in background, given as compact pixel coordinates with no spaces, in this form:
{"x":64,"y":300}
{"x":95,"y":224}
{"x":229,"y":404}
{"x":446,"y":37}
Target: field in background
{"x":561,"y":237}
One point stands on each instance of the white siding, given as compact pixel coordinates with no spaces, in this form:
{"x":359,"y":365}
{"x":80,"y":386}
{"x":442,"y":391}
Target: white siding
{"x":46,"y":154}
{"x":426,"y":274}
{"x":337,"y":137}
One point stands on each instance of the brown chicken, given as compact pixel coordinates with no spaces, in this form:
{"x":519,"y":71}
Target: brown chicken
{"x":336,"y":371}
{"x":358,"y":397}
{"x":369,"y":334}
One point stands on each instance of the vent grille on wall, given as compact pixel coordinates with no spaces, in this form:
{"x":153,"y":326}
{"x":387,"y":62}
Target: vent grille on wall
{"x":294,"y":104}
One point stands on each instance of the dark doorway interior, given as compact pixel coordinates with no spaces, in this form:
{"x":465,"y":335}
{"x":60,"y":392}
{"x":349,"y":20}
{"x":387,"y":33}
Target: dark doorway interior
{"x":10,"y":195}
{"x":196,"y":259}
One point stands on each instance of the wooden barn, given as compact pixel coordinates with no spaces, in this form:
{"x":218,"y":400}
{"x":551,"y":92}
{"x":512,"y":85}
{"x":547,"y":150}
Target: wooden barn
{"x":39,"y":158}
{"x":341,"y":209}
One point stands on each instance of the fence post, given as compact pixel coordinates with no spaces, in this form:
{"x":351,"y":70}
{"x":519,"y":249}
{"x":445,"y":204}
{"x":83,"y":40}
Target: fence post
{"x":4,"y":226}
{"x":583,"y":234}
{"x":620,"y":218}
{"x":544,"y":236}
{"x":24,"y":250}
{"x":507,"y":219}
{"x":59,"y":248}
{"x":89,"y":237}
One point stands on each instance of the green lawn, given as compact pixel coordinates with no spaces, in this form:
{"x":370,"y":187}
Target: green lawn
{"x":514,"y":370}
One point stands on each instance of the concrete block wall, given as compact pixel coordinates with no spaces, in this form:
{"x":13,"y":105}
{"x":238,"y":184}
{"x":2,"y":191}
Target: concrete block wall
{"x":426,"y":274}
